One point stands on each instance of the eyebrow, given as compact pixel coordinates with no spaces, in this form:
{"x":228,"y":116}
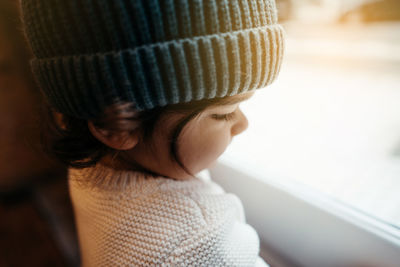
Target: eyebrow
{"x":234,"y":99}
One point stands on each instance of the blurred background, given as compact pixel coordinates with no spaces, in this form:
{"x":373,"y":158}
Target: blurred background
{"x":330,"y":124}
{"x":36,"y":220}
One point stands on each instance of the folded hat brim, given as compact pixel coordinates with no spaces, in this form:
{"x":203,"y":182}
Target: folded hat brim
{"x":159,"y":74}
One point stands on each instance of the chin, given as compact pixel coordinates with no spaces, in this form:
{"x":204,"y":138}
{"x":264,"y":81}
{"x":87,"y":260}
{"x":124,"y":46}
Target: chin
{"x":209,"y":165}
{"x":212,"y":164}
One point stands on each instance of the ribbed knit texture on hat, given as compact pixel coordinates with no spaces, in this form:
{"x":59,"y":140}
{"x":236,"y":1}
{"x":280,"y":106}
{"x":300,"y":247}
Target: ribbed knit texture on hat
{"x":89,"y":53}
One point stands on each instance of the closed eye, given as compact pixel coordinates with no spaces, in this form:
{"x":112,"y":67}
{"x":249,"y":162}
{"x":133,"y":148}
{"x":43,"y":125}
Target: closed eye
{"x":226,"y":117}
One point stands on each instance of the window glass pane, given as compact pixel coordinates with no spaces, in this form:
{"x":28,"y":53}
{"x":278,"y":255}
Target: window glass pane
{"x":332,"y":119}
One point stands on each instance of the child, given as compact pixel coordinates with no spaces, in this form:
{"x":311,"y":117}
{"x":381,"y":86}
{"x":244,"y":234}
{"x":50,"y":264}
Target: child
{"x":149,"y":93}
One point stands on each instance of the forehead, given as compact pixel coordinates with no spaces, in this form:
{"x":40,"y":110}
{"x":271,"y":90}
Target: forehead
{"x":231,"y":100}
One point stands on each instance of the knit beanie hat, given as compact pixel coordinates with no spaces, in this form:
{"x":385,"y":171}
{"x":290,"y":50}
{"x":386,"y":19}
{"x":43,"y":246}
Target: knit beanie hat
{"x":89,"y":53}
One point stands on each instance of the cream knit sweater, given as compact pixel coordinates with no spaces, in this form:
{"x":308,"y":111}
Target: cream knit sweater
{"x":126,"y":219}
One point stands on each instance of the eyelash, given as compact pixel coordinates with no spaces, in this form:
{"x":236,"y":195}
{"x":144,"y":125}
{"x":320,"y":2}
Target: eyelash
{"x":226,"y":117}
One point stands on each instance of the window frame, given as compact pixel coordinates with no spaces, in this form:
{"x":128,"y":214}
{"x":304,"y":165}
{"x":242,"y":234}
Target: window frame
{"x":312,"y":229}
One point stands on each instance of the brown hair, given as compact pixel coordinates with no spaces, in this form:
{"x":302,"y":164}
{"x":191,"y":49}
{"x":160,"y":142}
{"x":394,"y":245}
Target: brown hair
{"x":74,"y":145}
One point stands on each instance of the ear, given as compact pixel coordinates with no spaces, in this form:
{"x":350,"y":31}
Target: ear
{"x":123,"y":140}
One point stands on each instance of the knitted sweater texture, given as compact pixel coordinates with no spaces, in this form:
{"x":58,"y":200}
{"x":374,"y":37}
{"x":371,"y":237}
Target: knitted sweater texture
{"x":127,"y":219}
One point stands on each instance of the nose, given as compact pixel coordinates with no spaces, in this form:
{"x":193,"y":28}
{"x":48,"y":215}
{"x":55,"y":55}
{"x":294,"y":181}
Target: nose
{"x":241,"y":124}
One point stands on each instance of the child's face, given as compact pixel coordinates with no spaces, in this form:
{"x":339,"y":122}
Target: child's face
{"x":200,"y":143}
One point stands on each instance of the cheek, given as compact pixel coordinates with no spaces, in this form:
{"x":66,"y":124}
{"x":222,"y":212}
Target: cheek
{"x":200,"y":147}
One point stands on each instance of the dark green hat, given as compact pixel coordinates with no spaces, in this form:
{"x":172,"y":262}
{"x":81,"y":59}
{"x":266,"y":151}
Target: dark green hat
{"x":89,"y":53}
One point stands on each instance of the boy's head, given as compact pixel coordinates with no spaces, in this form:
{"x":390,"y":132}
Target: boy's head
{"x":126,"y":64}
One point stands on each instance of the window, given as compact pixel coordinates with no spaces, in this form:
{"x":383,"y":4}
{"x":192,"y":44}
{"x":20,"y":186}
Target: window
{"x":329,"y":127}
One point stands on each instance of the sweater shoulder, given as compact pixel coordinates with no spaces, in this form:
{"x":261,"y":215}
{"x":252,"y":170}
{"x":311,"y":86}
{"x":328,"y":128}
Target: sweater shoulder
{"x":197,"y":199}
{"x":148,"y":220}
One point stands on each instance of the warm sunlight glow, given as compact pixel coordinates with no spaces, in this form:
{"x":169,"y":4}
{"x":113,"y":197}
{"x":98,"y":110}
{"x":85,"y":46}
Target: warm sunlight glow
{"x":332,"y":120}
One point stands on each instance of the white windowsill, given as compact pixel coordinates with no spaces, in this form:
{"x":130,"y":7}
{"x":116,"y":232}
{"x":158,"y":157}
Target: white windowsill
{"x":305,"y":228}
